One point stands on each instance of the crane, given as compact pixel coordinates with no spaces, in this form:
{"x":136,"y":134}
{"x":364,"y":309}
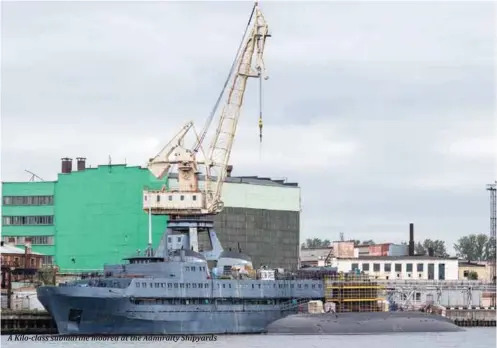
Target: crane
{"x":188,"y":199}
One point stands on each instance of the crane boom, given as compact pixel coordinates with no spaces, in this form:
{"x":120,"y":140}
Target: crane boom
{"x":188,"y":198}
{"x":220,"y":148}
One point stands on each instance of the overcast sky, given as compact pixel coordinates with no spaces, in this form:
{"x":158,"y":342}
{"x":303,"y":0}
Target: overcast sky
{"x":383,"y":112}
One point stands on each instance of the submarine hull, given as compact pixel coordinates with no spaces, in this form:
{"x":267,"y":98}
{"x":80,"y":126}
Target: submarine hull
{"x":361,"y":323}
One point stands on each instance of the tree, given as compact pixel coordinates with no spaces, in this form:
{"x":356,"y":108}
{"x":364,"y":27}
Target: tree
{"x":368,"y":242}
{"x":313,"y":243}
{"x":473,"y":275}
{"x":438,"y":247}
{"x":475,"y":247}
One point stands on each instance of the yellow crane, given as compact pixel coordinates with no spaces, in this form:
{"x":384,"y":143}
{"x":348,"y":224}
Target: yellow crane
{"x":188,"y":198}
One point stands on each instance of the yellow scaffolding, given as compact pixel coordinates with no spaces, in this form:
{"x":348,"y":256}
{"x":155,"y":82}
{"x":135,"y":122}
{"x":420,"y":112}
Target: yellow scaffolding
{"x":355,"y":293}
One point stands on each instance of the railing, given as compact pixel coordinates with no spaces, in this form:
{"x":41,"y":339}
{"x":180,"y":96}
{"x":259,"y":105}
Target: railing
{"x":293,"y":303}
{"x":440,"y":284}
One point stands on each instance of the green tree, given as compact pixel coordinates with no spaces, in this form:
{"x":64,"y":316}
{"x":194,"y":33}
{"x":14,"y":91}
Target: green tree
{"x":437,"y":245}
{"x":475,"y":247}
{"x":312,"y":243}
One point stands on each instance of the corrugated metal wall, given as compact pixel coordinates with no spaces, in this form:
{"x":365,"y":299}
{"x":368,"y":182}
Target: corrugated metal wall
{"x":270,"y":237}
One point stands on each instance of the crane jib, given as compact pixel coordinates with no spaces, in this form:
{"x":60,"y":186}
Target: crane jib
{"x":185,"y":194}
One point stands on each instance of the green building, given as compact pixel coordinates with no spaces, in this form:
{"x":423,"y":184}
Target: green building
{"x":92,"y":216}
{"x":84,"y":219}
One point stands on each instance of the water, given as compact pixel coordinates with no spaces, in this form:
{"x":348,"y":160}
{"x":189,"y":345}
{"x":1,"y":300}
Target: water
{"x":471,"y":338}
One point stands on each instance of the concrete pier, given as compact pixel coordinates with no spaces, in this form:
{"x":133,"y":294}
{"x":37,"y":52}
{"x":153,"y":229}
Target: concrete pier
{"x":472,"y":316}
{"x":27,"y":322}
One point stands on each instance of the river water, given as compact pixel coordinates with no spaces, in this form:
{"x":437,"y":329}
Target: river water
{"x":471,"y":338}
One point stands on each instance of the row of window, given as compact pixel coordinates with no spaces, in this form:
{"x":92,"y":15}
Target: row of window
{"x":28,"y":200}
{"x":170,"y":198}
{"x":34,"y":240}
{"x":387,"y":267}
{"x":194,"y":268}
{"x":27,"y":220}
{"x":206,"y":285}
{"x":197,"y":301}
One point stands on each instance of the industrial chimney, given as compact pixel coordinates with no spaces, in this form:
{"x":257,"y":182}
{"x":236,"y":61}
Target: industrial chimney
{"x":229,"y":169}
{"x":411,"y":239}
{"x":66,"y":165}
{"x":80,"y":163}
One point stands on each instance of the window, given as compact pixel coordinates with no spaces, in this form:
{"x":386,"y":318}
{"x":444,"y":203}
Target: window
{"x":409,"y":267}
{"x":355,"y":266}
{"x":194,"y":197}
{"x":27,"y":220}
{"x":35,"y":240}
{"x":170,"y":198}
{"x":158,"y":198}
{"x":28,"y":200}
{"x":365,"y":267}
{"x":419,"y":267}
{"x":47,"y":260}
{"x":376,"y":267}
{"x":398,"y":267}
{"x":182,"y":198}
{"x":387,"y":267}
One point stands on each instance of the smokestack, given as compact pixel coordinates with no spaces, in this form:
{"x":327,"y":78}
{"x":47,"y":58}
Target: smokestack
{"x":229,"y":169}
{"x":80,"y":163}
{"x":66,"y":165}
{"x":411,"y":239}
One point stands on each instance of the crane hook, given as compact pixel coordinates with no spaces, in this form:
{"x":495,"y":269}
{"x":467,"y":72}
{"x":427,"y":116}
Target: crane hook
{"x":260,"y":128}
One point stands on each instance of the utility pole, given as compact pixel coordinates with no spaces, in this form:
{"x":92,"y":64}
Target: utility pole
{"x":492,"y":188}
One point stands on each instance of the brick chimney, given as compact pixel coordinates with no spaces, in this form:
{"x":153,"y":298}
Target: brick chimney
{"x":80,"y":163}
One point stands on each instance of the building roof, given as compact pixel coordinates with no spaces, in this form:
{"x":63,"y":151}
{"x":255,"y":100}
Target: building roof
{"x":397,"y":258}
{"x":12,"y":249}
{"x":314,"y":254}
{"x":471,"y":264}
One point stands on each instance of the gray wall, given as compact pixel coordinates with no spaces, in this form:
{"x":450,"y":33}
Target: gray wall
{"x":270,"y":237}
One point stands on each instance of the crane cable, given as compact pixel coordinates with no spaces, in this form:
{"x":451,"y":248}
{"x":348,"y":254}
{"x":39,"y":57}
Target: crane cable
{"x":233,"y":65}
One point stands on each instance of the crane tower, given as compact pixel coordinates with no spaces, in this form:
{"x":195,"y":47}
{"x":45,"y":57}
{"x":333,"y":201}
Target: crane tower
{"x":492,"y":188}
{"x":191,"y":203}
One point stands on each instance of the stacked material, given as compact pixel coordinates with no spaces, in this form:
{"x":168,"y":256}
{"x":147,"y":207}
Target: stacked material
{"x":315,"y":307}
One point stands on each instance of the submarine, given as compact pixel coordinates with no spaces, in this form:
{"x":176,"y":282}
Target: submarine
{"x":360,"y":323}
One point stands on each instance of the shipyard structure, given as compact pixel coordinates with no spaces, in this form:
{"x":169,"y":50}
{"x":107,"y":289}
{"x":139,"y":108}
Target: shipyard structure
{"x":92,"y":216}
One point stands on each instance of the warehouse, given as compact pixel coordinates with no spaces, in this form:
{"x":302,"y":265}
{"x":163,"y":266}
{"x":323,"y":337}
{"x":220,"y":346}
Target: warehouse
{"x":92,"y":216}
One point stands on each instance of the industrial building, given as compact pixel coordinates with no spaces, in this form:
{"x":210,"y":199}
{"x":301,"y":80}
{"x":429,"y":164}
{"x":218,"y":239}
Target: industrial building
{"x":93,"y":216}
{"x":402,"y":267}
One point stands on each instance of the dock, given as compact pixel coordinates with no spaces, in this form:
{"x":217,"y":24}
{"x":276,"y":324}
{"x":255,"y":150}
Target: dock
{"x":27,"y":322}
{"x":472,"y":316}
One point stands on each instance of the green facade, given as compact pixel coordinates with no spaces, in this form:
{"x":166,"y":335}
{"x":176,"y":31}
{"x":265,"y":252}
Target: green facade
{"x":98,"y":215}
{"x":14,"y":189}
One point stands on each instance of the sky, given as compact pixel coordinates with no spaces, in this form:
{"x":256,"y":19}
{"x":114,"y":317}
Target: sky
{"x":383,"y":112}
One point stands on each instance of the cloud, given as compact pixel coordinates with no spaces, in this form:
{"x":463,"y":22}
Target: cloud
{"x":383,"y":112}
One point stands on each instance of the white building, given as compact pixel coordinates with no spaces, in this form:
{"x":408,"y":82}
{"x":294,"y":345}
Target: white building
{"x":402,"y":267}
